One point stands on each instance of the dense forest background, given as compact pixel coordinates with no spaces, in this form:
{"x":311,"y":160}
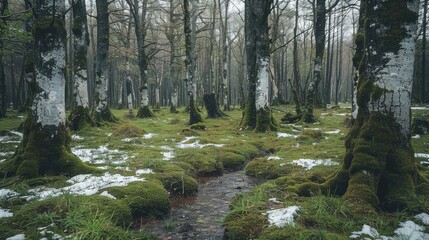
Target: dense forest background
{"x":220,"y":52}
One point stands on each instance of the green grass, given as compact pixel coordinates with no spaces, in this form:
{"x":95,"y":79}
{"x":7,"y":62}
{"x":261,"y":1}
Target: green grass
{"x":322,"y":217}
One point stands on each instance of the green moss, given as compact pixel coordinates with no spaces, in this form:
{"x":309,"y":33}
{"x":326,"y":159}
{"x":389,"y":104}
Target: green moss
{"x":244,"y":226}
{"x":263,"y":168}
{"x":204,"y":164}
{"x":103,"y":117}
{"x":145,"y":112}
{"x":265,"y":121}
{"x":188,"y":132}
{"x":128,"y":130}
{"x":178,"y":183}
{"x":312,"y":133}
{"x":198,"y":126}
{"x":145,"y":199}
{"x":79,"y":118}
{"x":231,"y":160}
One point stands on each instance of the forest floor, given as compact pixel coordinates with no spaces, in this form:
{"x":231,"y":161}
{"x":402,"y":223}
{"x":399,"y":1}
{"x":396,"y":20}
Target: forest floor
{"x":163,"y":179}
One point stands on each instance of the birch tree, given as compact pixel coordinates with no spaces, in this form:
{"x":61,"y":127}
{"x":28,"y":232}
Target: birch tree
{"x":190,"y":40}
{"x":44,"y":149}
{"x":379,"y":170}
{"x":80,"y":115}
{"x":257,"y":114}
{"x":224,"y":26}
{"x":102,"y":111}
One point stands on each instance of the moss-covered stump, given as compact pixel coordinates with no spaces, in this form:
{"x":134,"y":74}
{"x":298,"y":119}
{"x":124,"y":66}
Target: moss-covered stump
{"x":145,"y":199}
{"x":145,"y":112}
{"x":212,"y":106}
{"x":103,"y":116}
{"x":290,"y":118}
{"x":173,"y":109}
{"x":265,"y":121}
{"x":178,"y":183}
{"x":44,"y":152}
{"x":244,"y":225}
{"x":194,"y":115}
{"x":79,"y":118}
{"x":315,"y":134}
{"x":128,"y":130}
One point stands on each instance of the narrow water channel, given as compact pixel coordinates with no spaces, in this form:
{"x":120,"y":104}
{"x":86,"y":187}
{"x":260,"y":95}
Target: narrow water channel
{"x":202,"y":218}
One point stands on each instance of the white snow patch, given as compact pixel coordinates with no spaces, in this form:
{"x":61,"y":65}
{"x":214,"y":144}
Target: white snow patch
{"x":6,"y":154}
{"x":7,"y":193}
{"x":421,"y":155}
{"x":100,"y":155}
{"x":84,"y":184}
{"x":366,"y":230}
{"x":423,"y":217}
{"x":17,"y":133}
{"x":286,"y":135}
{"x":411,"y":230}
{"x":123,"y":168}
{"x":129,"y":139}
{"x":144,"y":171}
{"x":107,"y":194}
{"x":310,"y":163}
{"x":167,"y":148}
{"x":420,"y":108}
{"x":296,"y":145}
{"x":149,"y":135}
{"x":5,"y":213}
{"x":416,"y":136}
{"x":76,"y":138}
{"x":336,"y":131}
{"x":342,"y":114}
{"x":282,"y":217}
{"x":167,"y":155}
{"x":196,"y":144}
{"x":282,"y":164}
{"x":274,"y":158}
{"x":20,"y":236}
{"x":274,"y":200}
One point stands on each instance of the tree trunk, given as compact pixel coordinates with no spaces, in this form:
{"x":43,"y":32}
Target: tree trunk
{"x":194,"y":115}
{"x":423,"y":97}
{"x":3,"y":97}
{"x":79,"y":116}
{"x":379,"y":168}
{"x":44,"y":149}
{"x":102,"y":112}
{"x":173,"y":69}
{"x":296,"y":75}
{"x":225,"y":92}
{"x":257,"y":114}
{"x":212,"y":107}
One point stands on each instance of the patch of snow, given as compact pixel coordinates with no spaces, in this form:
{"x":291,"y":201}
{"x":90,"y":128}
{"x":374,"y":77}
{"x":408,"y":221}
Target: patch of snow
{"x":123,"y":168}
{"x":296,"y":145}
{"x":17,"y":237}
{"x":282,"y":217}
{"x":100,"y":155}
{"x":144,"y":171}
{"x":416,"y":136}
{"x":419,"y":108}
{"x":341,"y":114}
{"x":129,"y":139}
{"x":366,"y":231}
{"x":167,"y":148}
{"x":109,"y":134}
{"x":411,"y":230}
{"x":7,"y":193}
{"x":106,"y":194}
{"x":196,"y":144}
{"x":310,"y":163}
{"x":423,"y":217}
{"x":336,"y":131}
{"x":167,"y":155}
{"x":17,"y":134}
{"x":313,"y":129}
{"x":421,"y":155}
{"x":274,"y":158}
{"x":286,"y":135}
{"x":5,"y":213}
{"x":282,"y":164}
{"x":274,"y":200}
{"x":6,"y":154}
{"x":84,"y":184}
{"x":77,"y":138}
{"x":149,"y":135}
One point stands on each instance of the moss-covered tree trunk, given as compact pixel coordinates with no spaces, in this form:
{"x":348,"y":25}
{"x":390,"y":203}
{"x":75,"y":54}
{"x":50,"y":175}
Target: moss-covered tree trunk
{"x":3,"y":103}
{"x":257,"y":114}
{"x":212,"y":106}
{"x":80,"y":116}
{"x":44,"y":149}
{"x":102,"y":112}
{"x":379,"y":168}
{"x":190,"y":41}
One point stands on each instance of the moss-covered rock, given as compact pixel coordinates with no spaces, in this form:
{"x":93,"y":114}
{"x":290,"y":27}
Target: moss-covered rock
{"x":128,"y":130}
{"x":145,"y":199}
{"x":178,"y":183}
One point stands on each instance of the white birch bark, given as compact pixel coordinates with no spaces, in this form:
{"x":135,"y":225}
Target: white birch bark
{"x":262,"y":88}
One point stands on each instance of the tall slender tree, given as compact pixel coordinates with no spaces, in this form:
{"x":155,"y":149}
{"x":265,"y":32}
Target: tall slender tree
{"x":3,"y":102}
{"x":44,"y":149}
{"x":80,"y":115}
{"x":257,"y":114}
{"x":379,"y":168}
{"x":102,"y":111}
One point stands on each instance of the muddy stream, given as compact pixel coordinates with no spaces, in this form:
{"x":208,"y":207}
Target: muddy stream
{"x":202,"y":216}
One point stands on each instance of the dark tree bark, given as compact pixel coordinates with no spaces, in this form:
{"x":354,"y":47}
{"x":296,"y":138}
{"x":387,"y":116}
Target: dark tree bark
{"x":423,"y":97}
{"x":3,"y":97}
{"x":212,"y":107}
{"x":379,"y":170}
{"x":296,"y":75}
{"x":80,"y":116}
{"x":44,"y":149}
{"x":257,"y":114}
{"x":102,"y":111}
{"x":194,"y":115}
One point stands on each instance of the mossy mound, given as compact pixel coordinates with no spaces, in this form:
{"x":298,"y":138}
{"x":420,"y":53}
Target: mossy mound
{"x":248,"y":151}
{"x":315,"y":134}
{"x":178,"y":183}
{"x":104,"y":116}
{"x":204,"y":164}
{"x":231,"y":160}
{"x":145,"y":199}
{"x":297,"y":233}
{"x":188,"y":132}
{"x":198,"y":126}
{"x":128,"y":130}
{"x":263,"y":168}
{"x":244,"y":226}
{"x":145,"y":112}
